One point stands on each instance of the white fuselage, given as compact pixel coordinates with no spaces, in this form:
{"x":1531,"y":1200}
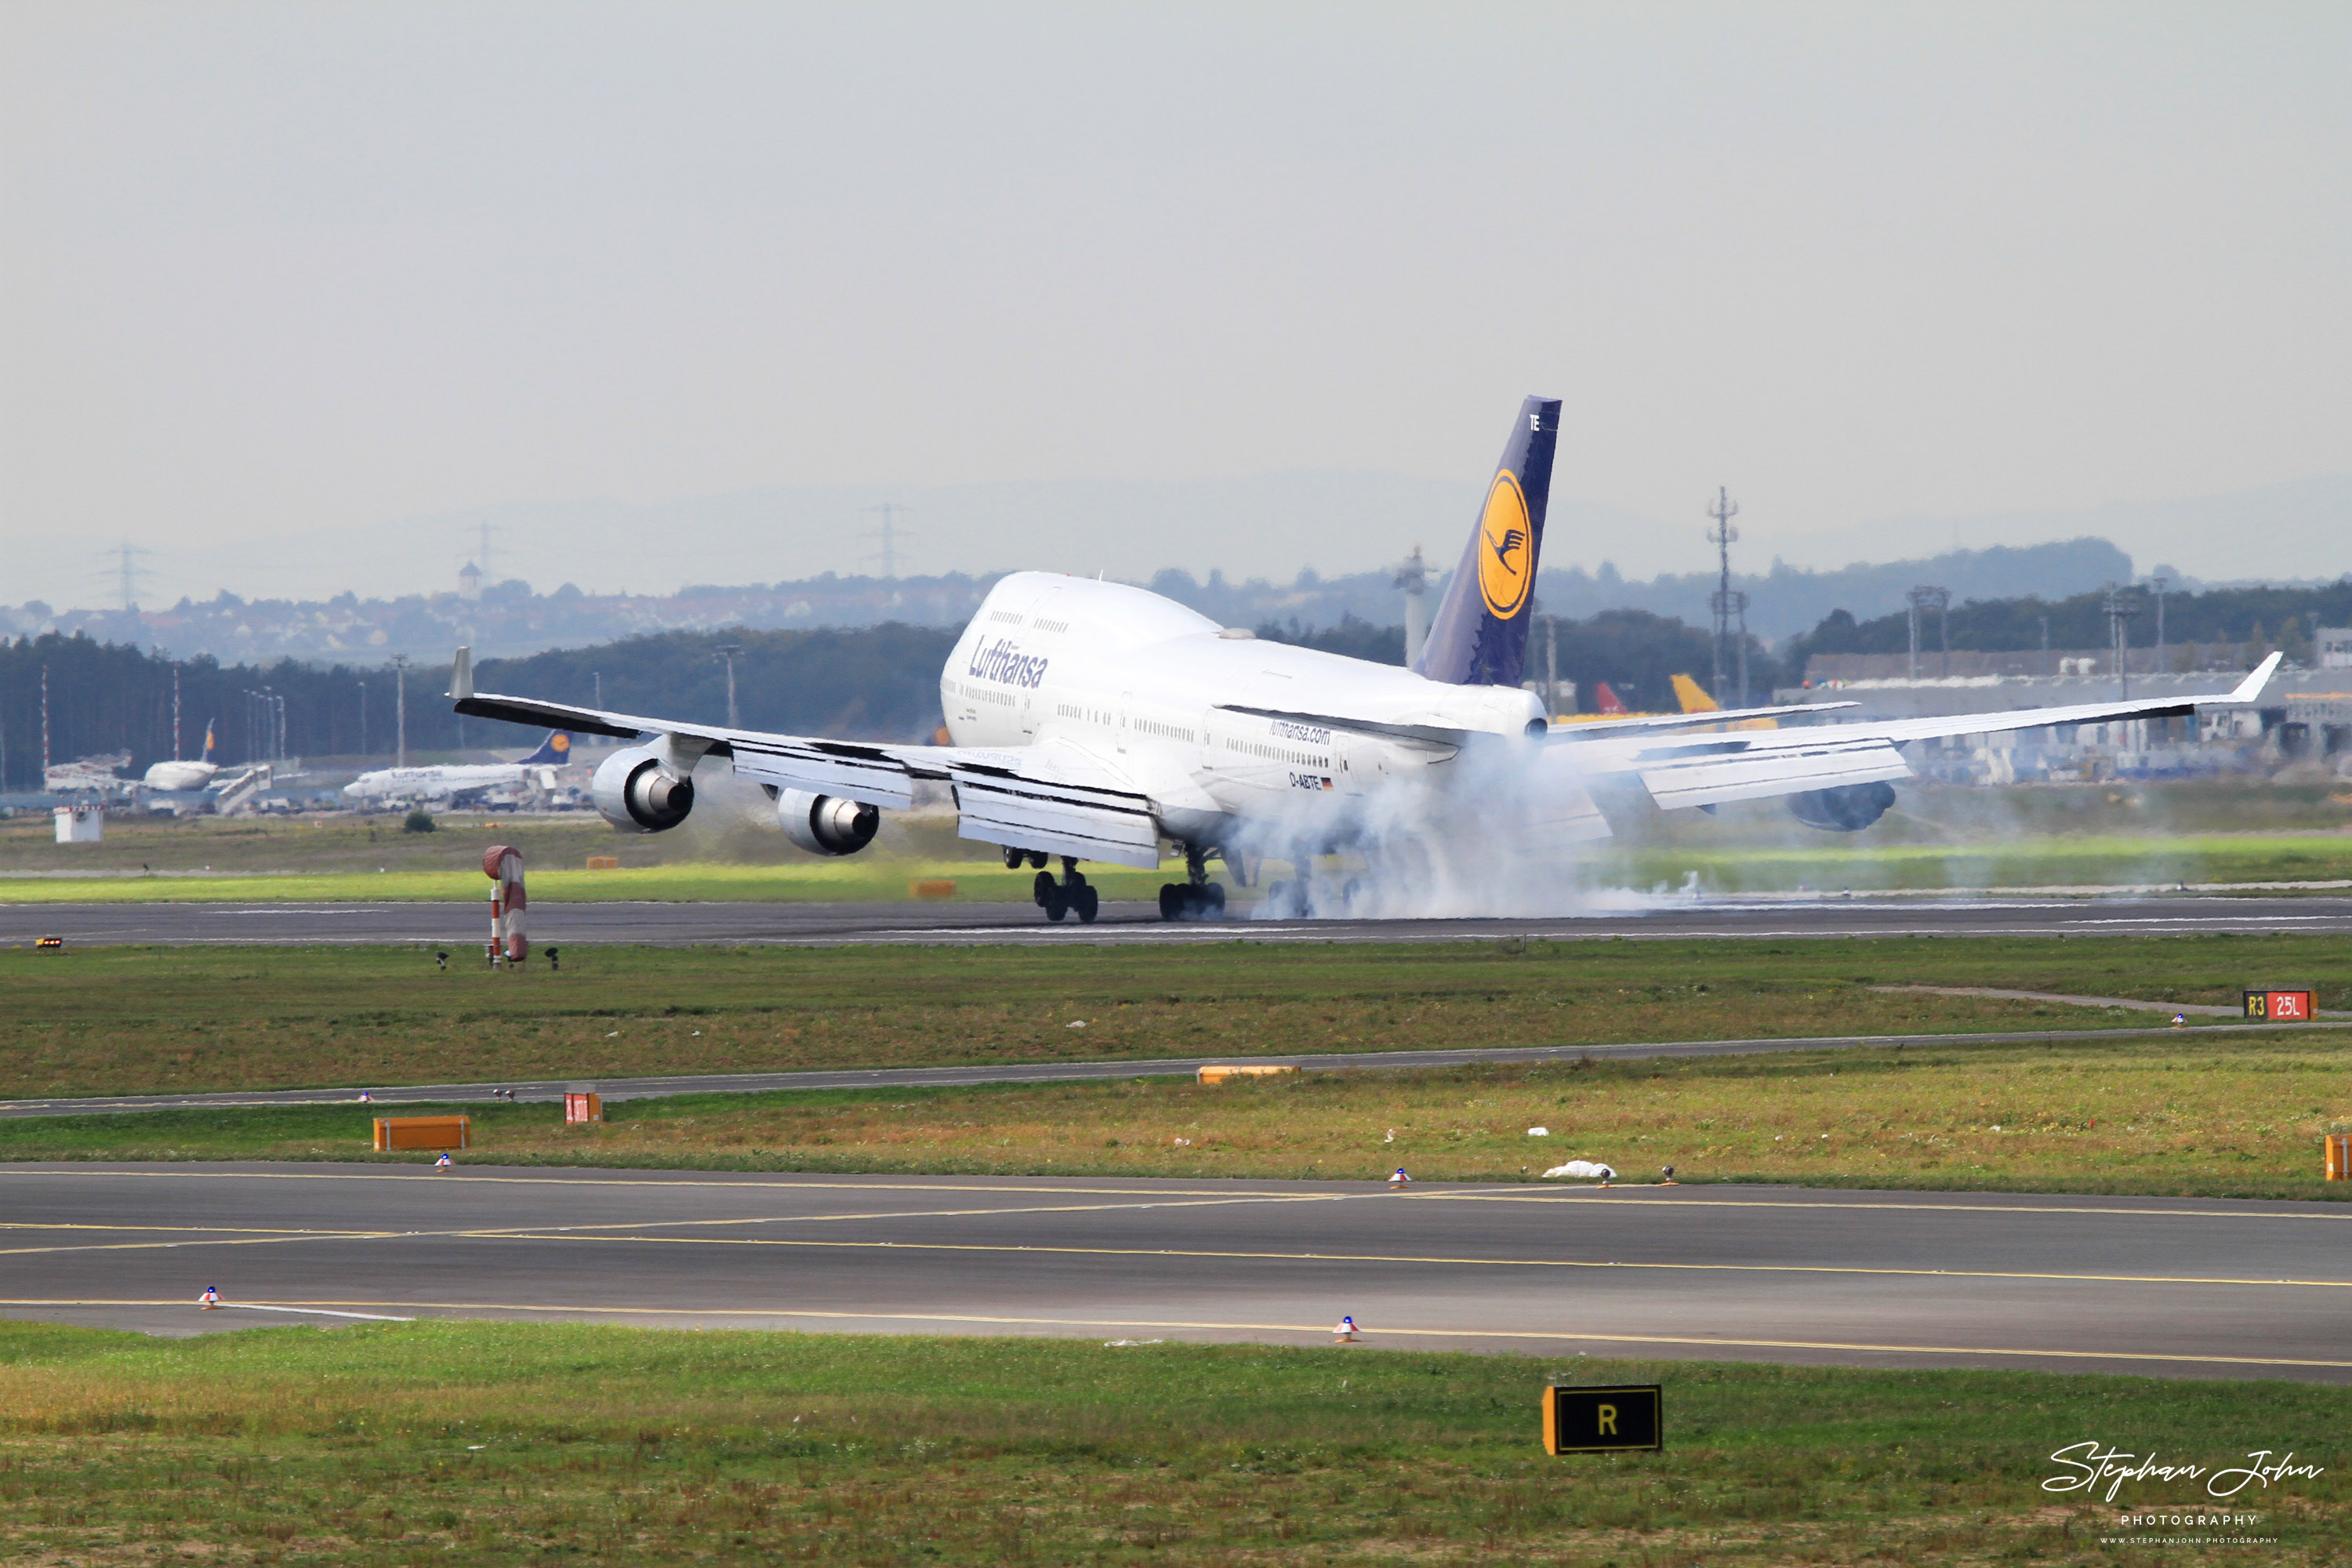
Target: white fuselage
{"x":180,"y":775}
{"x":1143,"y":687}
{"x":441,"y":783}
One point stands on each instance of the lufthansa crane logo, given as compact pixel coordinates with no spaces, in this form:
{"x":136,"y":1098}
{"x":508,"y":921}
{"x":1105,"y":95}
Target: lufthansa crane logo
{"x":561,"y":742}
{"x":1505,"y":549}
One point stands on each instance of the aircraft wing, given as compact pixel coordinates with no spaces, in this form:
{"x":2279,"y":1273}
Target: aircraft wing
{"x":1702,"y":770}
{"x":1593,"y":729}
{"x":1056,"y":798}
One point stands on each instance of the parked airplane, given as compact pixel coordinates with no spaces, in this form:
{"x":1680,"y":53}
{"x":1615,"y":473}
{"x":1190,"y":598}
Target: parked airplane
{"x":1093,"y":721}
{"x":179,"y":775}
{"x":453,"y":781}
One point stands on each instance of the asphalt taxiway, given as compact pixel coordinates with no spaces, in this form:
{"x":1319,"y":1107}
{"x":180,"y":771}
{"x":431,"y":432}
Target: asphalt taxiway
{"x":456,"y":925}
{"x":2168,"y":1286}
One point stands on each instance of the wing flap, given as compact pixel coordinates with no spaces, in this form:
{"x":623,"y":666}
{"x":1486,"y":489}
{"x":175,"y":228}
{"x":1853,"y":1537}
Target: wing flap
{"x":1709,"y":777}
{"x":871,"y":779}
{"x":998,"y":805}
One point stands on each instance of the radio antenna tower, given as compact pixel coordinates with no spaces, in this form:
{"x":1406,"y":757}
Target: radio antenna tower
{"x":1923,"y":598}
{"x":126,"y":572}
{"x":482,"y":531}
{"x":889,"y":535}
{"x":1727,"y":604}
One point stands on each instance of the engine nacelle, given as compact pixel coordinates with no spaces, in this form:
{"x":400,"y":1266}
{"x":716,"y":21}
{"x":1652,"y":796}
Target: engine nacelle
{"x":826,"y":823}
{"x":635,"y":796}
{"x":1848,"y":809}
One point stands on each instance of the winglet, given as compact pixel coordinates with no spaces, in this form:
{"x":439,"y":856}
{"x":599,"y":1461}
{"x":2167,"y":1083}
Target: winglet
{"x":2251,"y":687}
{"x":461,"y":675}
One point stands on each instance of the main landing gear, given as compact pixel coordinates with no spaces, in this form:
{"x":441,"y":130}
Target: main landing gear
{"x":1072,"y":895}
{"x":1195,"y":898}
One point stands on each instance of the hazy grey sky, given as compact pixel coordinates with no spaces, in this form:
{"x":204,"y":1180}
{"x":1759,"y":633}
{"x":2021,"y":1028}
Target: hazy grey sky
{"x":270,"y":270}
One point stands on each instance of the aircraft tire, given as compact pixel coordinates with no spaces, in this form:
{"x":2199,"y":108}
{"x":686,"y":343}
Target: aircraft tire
{"x":1213,"y":901}
{"x":1171,"y":900}
{"x":1056,"y":907}
{"x":1087,"y":903}
{"x":1044,"y":890}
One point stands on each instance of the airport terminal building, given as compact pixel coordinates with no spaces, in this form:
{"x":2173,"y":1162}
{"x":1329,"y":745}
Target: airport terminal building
{"x":2304,"y":715}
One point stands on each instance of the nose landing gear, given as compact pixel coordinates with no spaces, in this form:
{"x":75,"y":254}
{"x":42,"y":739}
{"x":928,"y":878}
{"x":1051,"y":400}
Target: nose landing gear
{"x":1072,"y":894}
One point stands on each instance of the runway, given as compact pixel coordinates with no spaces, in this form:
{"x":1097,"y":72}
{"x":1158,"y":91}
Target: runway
{"x":2154,"y":1286}
{"x":458,"y":925}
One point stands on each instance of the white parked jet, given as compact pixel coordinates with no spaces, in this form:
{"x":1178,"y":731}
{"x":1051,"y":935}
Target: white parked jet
{"x":1092,"y":720}
{"x":451,"y":780}
{"x":181,"y":774}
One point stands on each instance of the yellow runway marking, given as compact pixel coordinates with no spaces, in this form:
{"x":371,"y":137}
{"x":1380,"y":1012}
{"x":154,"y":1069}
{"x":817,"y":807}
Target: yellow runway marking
{"x":220,"y":1241}
{"x":200,"y":1236}
{"x":178,"y":1229}
{"x":611,"y":1233}
{"x":1654,"y":1196}
{"x":1590,"y":1196}
{"x":1316,"y":1328}
{"x":541,"y":1234}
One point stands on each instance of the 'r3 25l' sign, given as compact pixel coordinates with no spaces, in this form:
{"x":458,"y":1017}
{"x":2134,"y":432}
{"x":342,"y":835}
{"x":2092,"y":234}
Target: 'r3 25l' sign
{"x":2279,"y":1007}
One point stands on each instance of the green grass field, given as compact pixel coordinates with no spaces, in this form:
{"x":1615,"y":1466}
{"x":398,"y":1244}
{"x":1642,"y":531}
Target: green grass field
{"x":132,"y":1020}
{"x":505,"y":1444}
{"x":2211,"y":1117}
{"x":2213,"y":1113}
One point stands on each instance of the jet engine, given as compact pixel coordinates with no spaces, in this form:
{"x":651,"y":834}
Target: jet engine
{"x":826,"y":823}
{"x":1848,"y":809}
{"x":634,"y":795}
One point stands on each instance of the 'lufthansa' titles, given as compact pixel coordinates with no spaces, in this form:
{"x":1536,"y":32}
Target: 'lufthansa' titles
{"x":1003,"y":662}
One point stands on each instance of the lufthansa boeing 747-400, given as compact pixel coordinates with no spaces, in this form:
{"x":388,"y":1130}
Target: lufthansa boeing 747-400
{"x":1093,"y":721}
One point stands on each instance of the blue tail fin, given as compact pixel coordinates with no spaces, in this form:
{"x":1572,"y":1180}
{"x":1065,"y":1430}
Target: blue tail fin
{"x":555,"y":749}
{"x":1479,"y":634}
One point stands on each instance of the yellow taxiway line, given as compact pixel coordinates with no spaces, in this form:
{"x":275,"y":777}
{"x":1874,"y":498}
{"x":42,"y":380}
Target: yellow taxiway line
{"x":1653,"y":1194}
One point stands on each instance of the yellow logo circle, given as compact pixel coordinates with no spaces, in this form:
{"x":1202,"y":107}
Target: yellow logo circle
{"x":562,"y":743}
{"x":1506,"y":554}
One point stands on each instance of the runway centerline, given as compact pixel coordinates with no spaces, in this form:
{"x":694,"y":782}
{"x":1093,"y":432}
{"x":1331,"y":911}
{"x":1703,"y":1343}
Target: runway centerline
{"x":1881,"y":1278}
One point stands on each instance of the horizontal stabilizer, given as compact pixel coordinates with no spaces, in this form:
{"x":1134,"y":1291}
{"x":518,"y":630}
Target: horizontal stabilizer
{"x":546,"y":715}
{"x":1705,"y":777}
{"x":1645,"y":724}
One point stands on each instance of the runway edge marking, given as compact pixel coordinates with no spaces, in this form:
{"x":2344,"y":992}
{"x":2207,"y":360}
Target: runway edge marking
{"x":1319,"y":1329}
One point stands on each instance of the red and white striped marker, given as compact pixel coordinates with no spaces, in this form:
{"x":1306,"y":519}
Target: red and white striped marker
{"x":503,"y":866}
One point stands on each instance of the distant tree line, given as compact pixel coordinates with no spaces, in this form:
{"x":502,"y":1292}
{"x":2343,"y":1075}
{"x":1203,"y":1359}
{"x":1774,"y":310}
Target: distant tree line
{"x":883,"y":680}
{"x":880,"y":682}
{"x":2282,"y":618}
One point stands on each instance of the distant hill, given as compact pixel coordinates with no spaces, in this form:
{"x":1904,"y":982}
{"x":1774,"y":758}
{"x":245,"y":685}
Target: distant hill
{"x":512,"y":619}
{"x":1790,"y":599}
{"x":2298,"y":532}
